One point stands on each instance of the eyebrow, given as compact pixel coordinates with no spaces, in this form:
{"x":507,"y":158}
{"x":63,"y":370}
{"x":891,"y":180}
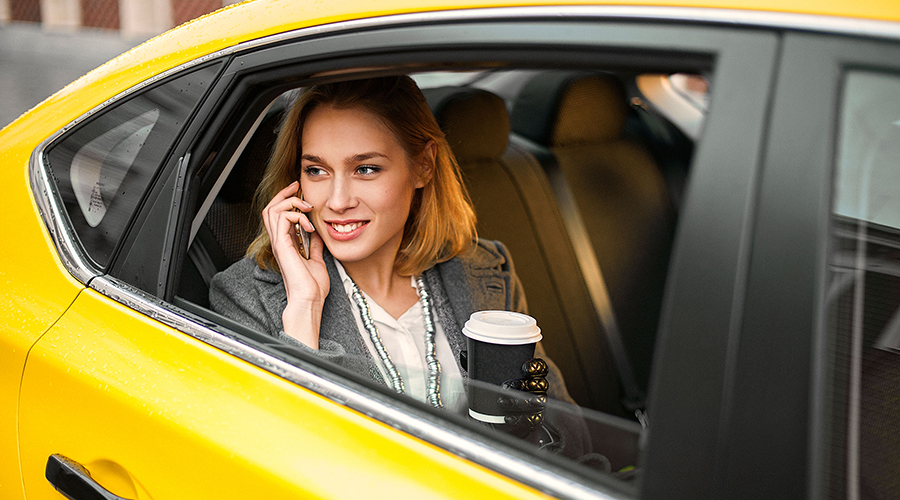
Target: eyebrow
{"x":350,"y":159}
{"x":364,"y":156}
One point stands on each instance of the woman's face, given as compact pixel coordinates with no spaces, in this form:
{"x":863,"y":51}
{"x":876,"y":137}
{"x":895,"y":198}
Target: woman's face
{"x":360,"y":181}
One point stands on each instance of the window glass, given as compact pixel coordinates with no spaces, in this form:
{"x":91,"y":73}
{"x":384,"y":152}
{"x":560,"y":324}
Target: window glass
{"x":103,"y":168}
{"x":553,"y":218}
{"x":864,"y":290}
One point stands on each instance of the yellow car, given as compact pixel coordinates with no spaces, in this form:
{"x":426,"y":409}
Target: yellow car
{"x":702,"y":198}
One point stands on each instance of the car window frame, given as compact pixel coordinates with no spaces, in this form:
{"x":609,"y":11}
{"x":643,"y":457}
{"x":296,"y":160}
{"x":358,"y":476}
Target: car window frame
{"x":269,"y":56}
{"x":48,"y":197}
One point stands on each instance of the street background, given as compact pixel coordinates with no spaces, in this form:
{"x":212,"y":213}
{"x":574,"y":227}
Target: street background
{"x":47,"y":44}
{"x":35,"y":63}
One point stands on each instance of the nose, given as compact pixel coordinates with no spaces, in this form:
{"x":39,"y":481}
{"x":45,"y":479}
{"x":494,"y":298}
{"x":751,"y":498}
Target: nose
{"x":341,"y":197}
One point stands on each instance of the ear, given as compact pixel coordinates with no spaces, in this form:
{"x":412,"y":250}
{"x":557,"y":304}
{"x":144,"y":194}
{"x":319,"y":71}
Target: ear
{"x":427,"y":162}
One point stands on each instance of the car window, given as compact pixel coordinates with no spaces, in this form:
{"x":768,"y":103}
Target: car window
{"x":103,"y":167}
{"x":550,"y":187}
{"x":863,"y":292}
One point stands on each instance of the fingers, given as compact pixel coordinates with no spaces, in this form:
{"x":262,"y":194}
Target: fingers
{"x":522,"y":425}
{"x":536,"y":385}
{"x":528,"y":404}
{"x":284,"y":215}
{"x":292,"y":207}
{"x":523,"y":400}
{"x":535,"y":367}
{"x":316,"y":247}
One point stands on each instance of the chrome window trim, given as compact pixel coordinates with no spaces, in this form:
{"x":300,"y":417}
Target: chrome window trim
{"x":505,"y":461}
{"x":56,"y":219}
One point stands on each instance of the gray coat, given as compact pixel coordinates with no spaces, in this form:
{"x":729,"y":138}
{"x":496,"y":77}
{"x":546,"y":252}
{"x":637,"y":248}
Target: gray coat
{"x":482,"y":278}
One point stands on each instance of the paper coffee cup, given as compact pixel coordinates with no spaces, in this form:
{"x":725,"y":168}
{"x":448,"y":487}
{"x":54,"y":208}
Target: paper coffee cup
{"x":499,"y":343}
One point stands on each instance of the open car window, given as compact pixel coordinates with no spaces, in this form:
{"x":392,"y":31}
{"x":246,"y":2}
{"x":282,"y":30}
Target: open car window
{"x":554,"y":161}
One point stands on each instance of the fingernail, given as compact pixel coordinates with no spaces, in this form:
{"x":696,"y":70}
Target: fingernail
{"x":306,"y":204}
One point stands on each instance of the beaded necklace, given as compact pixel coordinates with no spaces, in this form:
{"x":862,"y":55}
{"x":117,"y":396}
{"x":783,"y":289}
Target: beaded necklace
{"x":434,"y":366}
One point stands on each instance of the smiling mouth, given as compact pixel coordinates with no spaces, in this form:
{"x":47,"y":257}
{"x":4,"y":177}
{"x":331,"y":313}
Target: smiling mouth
{"x":347,"y":228}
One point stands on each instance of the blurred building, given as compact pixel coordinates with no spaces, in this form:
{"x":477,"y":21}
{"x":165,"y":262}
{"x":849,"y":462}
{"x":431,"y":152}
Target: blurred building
{"x":132,"y":18}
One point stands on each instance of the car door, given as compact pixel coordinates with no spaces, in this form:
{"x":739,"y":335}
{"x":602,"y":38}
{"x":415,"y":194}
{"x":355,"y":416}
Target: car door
{"x":809,"y":379}
{"x":822,"y":292}
{"x":159,"y":398}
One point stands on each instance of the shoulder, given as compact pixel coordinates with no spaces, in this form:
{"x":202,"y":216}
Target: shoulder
{"x":248,"y":294}
{"x":243,"y":270}
{"x":486,"y":254}
{"x":243,"y":281}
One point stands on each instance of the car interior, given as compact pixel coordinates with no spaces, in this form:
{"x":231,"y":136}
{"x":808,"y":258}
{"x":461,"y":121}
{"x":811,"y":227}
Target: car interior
{"x":577,"y":172}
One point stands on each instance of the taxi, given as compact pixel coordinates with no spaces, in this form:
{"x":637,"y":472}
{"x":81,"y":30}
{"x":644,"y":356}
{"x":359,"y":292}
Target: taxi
{"x":702,"y":199}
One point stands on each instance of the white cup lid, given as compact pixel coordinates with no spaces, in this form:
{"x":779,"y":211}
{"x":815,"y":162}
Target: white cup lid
{"x":502,"y":327}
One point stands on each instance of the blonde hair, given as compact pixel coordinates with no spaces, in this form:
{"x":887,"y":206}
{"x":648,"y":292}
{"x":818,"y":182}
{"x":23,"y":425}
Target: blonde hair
{"x":441,"y":221}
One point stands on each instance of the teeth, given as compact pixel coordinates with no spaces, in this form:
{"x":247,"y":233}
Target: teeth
{"x":346,"y":228}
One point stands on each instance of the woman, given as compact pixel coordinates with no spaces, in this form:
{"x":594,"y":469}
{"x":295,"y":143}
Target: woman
{"x":394,"y":267}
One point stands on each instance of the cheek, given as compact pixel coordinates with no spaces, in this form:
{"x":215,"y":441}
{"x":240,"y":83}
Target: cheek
{"x":311,"y":192}
{"x":397,"y":198}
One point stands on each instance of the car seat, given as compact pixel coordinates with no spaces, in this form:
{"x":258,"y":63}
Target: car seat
{"x":514,"y":205}
{"x":574,"y":122}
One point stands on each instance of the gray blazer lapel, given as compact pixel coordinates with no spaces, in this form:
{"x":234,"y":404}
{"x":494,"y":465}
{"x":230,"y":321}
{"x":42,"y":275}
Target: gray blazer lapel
{"x":339,"y":324}
{"x":450,"y":311}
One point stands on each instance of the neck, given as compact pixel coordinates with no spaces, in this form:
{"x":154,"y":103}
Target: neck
{"x":384,"y":285}
{"x":374,"y":280}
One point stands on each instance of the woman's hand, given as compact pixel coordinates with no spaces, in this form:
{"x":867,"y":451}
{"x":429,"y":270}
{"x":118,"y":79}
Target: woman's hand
{"x":523,"y":400}
{"x":305,"y":281}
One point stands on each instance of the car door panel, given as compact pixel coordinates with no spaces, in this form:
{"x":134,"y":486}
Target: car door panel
{"x":35,"y":289}
{"x":154,"y":413}
{"x":787,"y":399}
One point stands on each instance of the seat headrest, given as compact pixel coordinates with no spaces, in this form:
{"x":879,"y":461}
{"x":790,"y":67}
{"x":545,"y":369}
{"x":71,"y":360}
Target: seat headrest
{"x":474,"y":121}
{"x":561,"y":109}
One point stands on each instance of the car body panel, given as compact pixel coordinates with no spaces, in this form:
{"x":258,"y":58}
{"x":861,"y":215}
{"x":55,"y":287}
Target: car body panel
{"x":149,"y":410}
{"x":35,"y":289}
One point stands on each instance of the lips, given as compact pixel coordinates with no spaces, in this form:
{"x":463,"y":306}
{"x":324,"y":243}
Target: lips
{"x":346,"y":230}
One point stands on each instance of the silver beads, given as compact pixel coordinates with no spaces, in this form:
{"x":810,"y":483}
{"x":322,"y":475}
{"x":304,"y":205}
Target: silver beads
{"x":433,"y":391}
{"x":434,"y":366}
{"x":395,"y":379}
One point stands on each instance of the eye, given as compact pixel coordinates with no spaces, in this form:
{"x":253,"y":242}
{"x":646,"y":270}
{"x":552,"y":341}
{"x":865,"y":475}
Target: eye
{"x":311,"y":171}
{"x":367,"y":169}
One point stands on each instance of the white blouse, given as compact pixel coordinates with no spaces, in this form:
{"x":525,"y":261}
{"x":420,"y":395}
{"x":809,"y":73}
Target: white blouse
{"x":404,"y":340}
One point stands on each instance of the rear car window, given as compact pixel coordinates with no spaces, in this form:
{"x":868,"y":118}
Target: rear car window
{"x":103,"y":168}
{"x":863,"y":291}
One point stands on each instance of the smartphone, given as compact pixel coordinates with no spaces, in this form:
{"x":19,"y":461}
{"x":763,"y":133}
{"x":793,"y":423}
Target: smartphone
{"x":303,"y":238}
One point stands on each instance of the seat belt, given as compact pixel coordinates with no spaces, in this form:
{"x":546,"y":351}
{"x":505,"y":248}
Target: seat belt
{"x":634,"y":399}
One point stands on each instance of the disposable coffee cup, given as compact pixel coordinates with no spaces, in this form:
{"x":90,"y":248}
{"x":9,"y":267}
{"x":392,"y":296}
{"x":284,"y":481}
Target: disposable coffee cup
{"x":499,"y":343}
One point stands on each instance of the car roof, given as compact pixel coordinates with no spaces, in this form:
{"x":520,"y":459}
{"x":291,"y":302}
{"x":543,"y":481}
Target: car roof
{"x":256,"y":19}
